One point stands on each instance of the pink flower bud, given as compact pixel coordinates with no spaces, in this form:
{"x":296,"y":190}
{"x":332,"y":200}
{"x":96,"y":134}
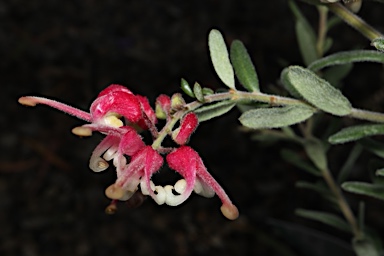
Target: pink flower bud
{"x":188,"y":125}
{"x":163,"y":106}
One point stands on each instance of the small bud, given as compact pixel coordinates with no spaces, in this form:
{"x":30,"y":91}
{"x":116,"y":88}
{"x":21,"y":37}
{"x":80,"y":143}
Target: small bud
{"x":229,"y":211}
{"x":177,"y":101}
{"x":163,"y":106}
{"x":188,"y":125}
{"x":82,"y":131}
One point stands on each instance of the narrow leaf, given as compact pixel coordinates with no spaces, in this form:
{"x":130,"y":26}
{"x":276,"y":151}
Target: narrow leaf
{"x":341,"y":58}
{"x":317,"y":91}
{"x":294,"y":159}
{"x":363,"y":188}
{"x":198,"y":92}
{"x":373,"y":146}
{"x":356,"y":132}
{"x":244,"y":69}
{"x":208,"y":112}
{"x":277,"y":117}
{"x":220,"y":58}
{"x":380,"y":172}
{"x":365,"y":247}
{"x":186,"y":88}
{"x":349,"y":163}
{"x":316,"y":152}
{"x":306,"y":37}
{"x":326,"y":218}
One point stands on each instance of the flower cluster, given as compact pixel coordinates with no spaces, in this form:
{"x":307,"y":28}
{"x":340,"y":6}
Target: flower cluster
{"x":120,"y":115}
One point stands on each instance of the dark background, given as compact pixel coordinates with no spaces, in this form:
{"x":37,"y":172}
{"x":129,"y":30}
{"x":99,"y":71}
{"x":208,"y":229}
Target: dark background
{"x":52,"y":204}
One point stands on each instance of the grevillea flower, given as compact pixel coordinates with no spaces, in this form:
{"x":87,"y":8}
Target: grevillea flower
{"x":188,"y":163}
{"x":119,"y":114}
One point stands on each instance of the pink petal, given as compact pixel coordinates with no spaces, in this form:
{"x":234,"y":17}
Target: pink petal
{"x":188,"y":125}
{"x":122,"y":103}
{"x":184,"y":160}
{"x":148,"y":112}
{"x":114,"y":88}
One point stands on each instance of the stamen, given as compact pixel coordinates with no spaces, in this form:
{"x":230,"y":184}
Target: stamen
{"x":229,"y":211}
{"x":110,"y":154}
{"x":82,"y":131}
{"x":112,"y":119}
{"x":98,"y":164}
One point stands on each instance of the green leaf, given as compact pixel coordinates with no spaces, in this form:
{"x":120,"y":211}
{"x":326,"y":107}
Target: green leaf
{"x":364,"y":247}
{"x":349,"y":163}
{"x":316,"y":152}
{"x":277,"y":117}
{"x":186,"y":88}
{"x":356,"y":132}
{"x":326,"y":218}
{"x":380,"y":172}
{"x":320,"y":188}
{"x":243,"y":66}
{"x":378,"y":43}
{"x":364,"y":188}
{"x":207,"y":91}
{"x":373,"y":146}
{"x":220,"y":58}
{"x":316,"y":91}
{"x":214,"y":110}
{"x":294,"y":159}
{"x":306,"y":36}
{"x":341,"y":58}
{"x":198,"y":92}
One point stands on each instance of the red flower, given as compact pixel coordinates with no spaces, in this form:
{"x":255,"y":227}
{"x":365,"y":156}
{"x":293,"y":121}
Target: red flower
{"x":188,"y":163}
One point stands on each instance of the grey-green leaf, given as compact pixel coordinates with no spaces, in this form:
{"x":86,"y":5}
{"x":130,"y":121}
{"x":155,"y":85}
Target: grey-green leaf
{"x":220,"y":58}
{"x":316,"y":152}
{"x":208,"y":112}
{"x":316,"y":91}
{"x":356,"y":132}
{"x":198,"y":92}
{"x":380,"y":172}
{"x":364,"y":188}
{"x":243,"y":66}
{"x":294,"y":159}
{"x":341,"y":58}
{"x":277,"y":117}
{"x":365,"y":247}
{"x":305,"y":35}
{"x":326,"y":218}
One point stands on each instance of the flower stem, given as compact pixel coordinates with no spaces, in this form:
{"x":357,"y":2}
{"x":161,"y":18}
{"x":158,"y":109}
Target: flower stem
{"x":344,"y":207}
{"x":355,"y":21}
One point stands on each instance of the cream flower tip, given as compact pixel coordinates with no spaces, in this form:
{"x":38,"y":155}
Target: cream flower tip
{"x":82,"y":131}
{"x":229,"y":211}
{"x":27,"y":101}
{"x":114,"y":192}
